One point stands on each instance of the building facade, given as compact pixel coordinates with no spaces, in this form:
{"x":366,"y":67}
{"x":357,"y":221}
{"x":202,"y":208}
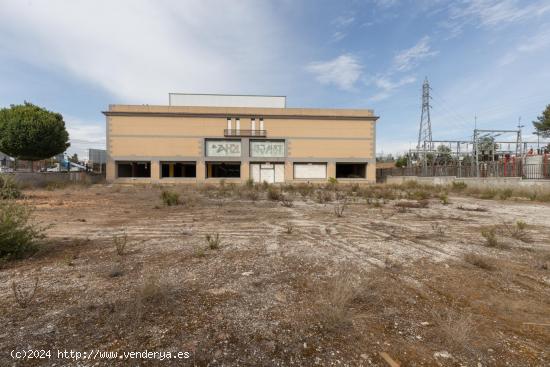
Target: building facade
{"x":177,"y":143}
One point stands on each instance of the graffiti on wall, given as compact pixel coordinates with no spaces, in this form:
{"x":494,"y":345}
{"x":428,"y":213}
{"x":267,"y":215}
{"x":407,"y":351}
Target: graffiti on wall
{"x":267,"y":148}
{"x":223,"y":148}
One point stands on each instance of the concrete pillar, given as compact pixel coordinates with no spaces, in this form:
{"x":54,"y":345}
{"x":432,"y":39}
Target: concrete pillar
{"x":245,"y":171}
{"x":331,"y":169}
{"x":289,"y":173}
{"x":371,"y":172}
{"x":201,"y":171}
{"x":155,"y":170}
{"x":110,"y":171}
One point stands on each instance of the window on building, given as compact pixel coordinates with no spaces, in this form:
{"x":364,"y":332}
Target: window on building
{"x":178,"y":169}
{"x":351,"y":170}
{"x":133,"y":169}
{"x":310,"y":170}
{"x":223,"y":169}
{"x":262,"y":123}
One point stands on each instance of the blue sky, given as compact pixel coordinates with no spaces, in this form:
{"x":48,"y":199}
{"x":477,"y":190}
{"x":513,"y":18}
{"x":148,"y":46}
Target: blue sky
{"x":489,"y":58}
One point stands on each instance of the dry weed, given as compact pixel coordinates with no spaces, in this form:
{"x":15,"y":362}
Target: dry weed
{"x":480,"y":261}
{"x":24,"y":294}
{"x":213,"y":241}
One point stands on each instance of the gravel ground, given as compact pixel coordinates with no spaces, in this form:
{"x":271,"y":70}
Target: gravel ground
{"x":288,"y":286}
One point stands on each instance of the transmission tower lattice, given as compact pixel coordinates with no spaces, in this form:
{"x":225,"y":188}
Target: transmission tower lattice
{"x":425,"y":132}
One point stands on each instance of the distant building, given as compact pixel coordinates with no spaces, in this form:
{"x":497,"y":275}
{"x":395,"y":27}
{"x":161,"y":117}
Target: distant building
{"x":6,"y":160}
{"x":97,"y":160}
{"x":207,"y":138}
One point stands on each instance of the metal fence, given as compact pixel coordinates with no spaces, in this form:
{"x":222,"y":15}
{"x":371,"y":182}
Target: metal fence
{"x":539,"y":171}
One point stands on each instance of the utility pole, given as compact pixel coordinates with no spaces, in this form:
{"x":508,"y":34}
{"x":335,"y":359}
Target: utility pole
{"x":476,"y":145}
{"x":425,"y":130}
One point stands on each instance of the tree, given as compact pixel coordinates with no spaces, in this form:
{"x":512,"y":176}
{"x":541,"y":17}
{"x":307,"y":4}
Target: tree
{"x":542,"y":124}
{"x":402,"y":161}
{"x":444,"y":155}
{"x":32,"y":133}
{"x":74,"y":158}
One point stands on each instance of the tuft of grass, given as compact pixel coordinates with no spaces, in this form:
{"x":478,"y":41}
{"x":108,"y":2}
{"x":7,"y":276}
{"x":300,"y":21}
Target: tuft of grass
{"x":490,"y":236}
{"x":289,"y":228}
{"x":459,"y":185}
{"x":287,"y":201}
{"x":323,"y":196}
{"x":444,"y":198}
{"x":273,"y":193}
{"x":213,"y":241}
{"x":152,"y":291}
{"x":438,"y":229}
{"x":9,"y":189}
{"x":457,"y":329}
{"x":505,"y":194}
{"x":120,"y":242}
{"x":340,"y":204}
{"x":116,"y":271}
{"x":199,"y":252}
{"x":412,"y":204}
{"x":519,"y":231}
{"x":476,"y":209}
{"x":480,"y":261}
{"x":249,"y":183}
{"x":24,"y":294}
{"x":488,"y":194}
{"x":170,"y":198}
{"x":332,"y":308}
{"x":305,"y":190}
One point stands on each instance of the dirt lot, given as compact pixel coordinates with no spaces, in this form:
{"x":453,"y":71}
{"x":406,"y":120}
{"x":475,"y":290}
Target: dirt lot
{"x":288,"y":286}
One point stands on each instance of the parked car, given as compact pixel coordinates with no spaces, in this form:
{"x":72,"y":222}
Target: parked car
{"x":6,"y":170}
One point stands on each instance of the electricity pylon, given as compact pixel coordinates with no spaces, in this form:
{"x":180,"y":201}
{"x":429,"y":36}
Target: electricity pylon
{"x":425,"y":143}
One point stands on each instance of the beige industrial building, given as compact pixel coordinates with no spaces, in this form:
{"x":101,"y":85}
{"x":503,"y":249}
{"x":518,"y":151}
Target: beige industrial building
{"x":207,"y":138}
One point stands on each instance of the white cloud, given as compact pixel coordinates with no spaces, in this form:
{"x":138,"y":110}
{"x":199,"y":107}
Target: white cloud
{"x":343,"y":20}
{"x":387,"y":87}
{"x":409,"y":58}
{"x":138,"y":51}
{"x":530,"y":45}
{"x":338,"y":36}
{"x":385,"y":3}
{"x":343,"y":71}
{"x":492,"y":13}
{"x":341,"y":23}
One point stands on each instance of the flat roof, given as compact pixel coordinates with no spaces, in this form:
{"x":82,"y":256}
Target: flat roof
{"x":190,"y":111}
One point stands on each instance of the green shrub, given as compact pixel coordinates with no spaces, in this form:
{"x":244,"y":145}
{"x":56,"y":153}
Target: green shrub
{"x":421,"y":195}
{"x":332,"y":181}
{"x":490,"y":237}
{"x":17,"y":236}
{"x":459,"y":185}
{"x":506,"y":194}
{"x":9,"y":188}
{"x":170,"y":198}
{"x":444,"y":198}
{"x":488,"y":194}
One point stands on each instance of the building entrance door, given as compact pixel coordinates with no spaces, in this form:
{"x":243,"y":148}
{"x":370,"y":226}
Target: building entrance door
{"x":267,"y":174}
